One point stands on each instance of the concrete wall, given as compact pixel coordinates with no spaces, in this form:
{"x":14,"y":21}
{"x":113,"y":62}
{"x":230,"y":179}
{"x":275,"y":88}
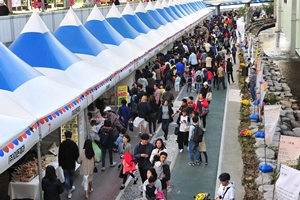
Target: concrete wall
{"x":286,"y":22}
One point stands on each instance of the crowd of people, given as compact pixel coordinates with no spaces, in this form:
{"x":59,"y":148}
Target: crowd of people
{"x":198,"y":63}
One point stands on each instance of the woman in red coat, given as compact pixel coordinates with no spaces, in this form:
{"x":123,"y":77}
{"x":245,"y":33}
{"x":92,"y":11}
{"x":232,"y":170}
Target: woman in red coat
{"x":202,"y":107}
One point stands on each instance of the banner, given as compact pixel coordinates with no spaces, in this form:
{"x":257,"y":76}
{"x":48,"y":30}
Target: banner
{"x":259,"y":78}
{"x":15,"y":3}
{"x":122,"y":93}
{"x":288,"y":184}
{"x":271,"y":116}
{"x":289,"y":150}
{"x":263,"y":91}
{"x":258,"y":63}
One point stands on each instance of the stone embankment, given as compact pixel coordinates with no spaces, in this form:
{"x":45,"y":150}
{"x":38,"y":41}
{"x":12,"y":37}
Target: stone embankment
{"x":259,"y":25}
{"x":288,"y":124}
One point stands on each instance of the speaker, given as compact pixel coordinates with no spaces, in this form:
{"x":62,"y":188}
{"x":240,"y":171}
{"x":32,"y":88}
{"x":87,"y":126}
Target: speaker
{"x":244,"y":71}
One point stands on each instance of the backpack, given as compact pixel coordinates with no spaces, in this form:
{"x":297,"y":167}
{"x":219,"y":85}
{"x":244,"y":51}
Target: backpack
{"x":133,"y":104}
{"x":189,"y":79}
{"x":104,"y":138}
{"x":205,"y":75}
{"x":198,"y":134}
{"x":198,"y":78}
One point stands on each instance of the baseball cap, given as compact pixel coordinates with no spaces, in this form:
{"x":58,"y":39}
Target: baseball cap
{"x":107,"y":108}
{"x":1,"y":1}
{"x":205,"y":83}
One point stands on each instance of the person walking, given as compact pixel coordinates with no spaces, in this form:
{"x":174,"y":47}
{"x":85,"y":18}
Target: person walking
{"x":177,"y":83}
{"x":183,"y":121}
{"x":201,"y":105}
{"x":202,"y":149}
{"x":152,"y":115}
{"x":159,"y":146}
{"x":124,"y":114}
{"x":168,"y":95}
{"x":253,"y":83}
{"x":115,"y":123}
{"x":164,"y":116}
{"x":233,"y":52}
{"x":229,"y":70}
{"x":68,"y":154}
{"x":51,"y":185}
{"x":107,"y":143}
{"x":221,"y":77}
{"x":193,"y":147}
{"x":198,"y":80}
{"x":142,"y":153}
{"x":86,"y":160}
{"x":143,"y":109}
{"x":128,"y":166}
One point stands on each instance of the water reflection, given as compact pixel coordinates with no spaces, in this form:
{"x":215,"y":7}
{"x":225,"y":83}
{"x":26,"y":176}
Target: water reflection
{"x":276,"y":45}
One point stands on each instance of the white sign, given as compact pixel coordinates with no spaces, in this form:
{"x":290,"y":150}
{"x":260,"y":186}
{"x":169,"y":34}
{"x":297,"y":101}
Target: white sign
{"x":271,"y":116}
{"x":16,"y":3}
{"x":288,"y":184}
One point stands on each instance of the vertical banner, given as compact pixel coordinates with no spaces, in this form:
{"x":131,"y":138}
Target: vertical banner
{"x":289,"y":150}
{"x":288,"y":183}
{"x":258,"y":63}
{"x":259,"y":78}
{"x":271,"y":116}
{"x":263,"y":91}
{"x":122,"y":93}
{"x":15,"y":3}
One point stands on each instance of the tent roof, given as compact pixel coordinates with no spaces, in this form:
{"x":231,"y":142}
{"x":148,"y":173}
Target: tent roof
{"x":156,"y":16}
{"x":146,"y":17}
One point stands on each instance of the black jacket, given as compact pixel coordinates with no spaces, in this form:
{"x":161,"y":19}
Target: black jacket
{"x":159,"y":114}
{"x":52,"y":189}
{"x":167,"y":172}
{"x":110,"y":138}
{"x":68,"y":154}
{"x":4,"y":10}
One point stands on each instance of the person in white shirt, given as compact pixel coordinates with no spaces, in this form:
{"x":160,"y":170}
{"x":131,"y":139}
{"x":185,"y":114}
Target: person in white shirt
{"x":193,"y":60}
{"x":226,"y":190}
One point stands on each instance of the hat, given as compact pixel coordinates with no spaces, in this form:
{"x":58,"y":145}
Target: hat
{"x":107,"y":108}
{"x":1,"y":1}
{"x":251,"y":67}
{"x":205,"y":83}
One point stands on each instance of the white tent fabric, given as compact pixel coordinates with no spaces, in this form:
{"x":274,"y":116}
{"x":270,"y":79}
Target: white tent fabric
{"x":56,"y":62}
{"x":107,"y":35}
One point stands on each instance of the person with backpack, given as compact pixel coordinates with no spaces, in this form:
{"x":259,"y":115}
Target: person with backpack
{"x":226,"y":190}
{"x":189,"y":82}
{"x":194,"y":139}
{"x":133,"y":105}
{"x":198,"y":80}
{"x":107,"y":143}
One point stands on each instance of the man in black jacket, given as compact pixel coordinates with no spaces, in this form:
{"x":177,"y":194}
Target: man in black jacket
{"x":67,"y":156}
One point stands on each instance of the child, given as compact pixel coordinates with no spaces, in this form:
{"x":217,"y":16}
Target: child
{"x":177,"y":83}
{"x":151,"y":190}
{"x":166,"y":172}
{"x":162,"y":89}
{"x":189,"y":82}
{"x":119,"y":144}
{"x":226,"y":189}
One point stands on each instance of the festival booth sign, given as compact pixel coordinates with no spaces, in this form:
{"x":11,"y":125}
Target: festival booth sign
{"x":136,"y":23}
{"x":97,"y":25}
{"x":117,"y":21}
{"x":57,"y":62}
{"x":122,"y":93}
{"x":87,"y":47}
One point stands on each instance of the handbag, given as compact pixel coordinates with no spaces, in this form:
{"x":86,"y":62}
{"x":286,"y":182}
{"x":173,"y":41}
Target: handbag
{"x":95,"y":170}
{"x":130,"y":124}
{"x":209,"y":96}
{"x":176,"y":130}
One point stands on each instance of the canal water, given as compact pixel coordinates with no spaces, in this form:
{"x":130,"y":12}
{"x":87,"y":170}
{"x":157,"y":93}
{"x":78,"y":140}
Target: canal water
{"x":276,"y":46}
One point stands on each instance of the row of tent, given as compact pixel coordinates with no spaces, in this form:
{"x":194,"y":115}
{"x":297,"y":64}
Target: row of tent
{"x":46,"y":79}
{"x":240,"y":2}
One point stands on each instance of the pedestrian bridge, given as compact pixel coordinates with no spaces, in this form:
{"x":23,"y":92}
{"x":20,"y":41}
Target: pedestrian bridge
{"x":232,"y":2}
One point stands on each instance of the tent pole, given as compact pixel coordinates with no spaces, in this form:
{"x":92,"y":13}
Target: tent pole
{"x":38,"y":146}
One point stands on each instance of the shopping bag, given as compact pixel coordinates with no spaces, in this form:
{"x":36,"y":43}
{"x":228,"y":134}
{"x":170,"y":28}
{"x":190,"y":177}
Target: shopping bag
{"x":97,"y":152}
{"x":130,"y":124}
{"x":137,"y":121}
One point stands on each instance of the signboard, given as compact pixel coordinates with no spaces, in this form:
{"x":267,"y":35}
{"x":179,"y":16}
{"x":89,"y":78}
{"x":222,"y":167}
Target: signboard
{"x":288,"y":184}
{"x":16,"y":3}
{"x":289,"y":150}
{"x":122,"y":93}
{"x":271,"y":116}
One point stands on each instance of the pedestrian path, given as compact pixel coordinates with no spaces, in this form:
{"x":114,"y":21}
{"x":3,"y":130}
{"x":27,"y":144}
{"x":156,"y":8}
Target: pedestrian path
{"x":187,"y":180}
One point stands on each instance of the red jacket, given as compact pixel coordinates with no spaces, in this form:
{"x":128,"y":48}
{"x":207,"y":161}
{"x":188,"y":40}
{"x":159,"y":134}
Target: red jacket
{"x":128,"y":164}
{"x":204,"y":104}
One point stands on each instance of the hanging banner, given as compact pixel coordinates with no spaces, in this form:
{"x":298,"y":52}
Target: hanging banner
{"x":263,"y":86}
{"x":271,"y":116}
{"x":259,"y":77}
{"x":258,"y":63}
{"x":122,"y":93}
{"x":289,"y":150}
{"x":288,"y":183}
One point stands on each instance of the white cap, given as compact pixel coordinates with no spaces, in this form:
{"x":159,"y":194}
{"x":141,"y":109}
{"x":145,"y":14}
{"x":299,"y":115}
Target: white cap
{"x":205,"y":83}
{"x":1,"y":1}
{"x":107,"y":107}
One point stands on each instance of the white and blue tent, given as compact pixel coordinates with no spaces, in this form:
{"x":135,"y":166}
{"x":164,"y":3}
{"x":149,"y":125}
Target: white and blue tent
{"x":97,"y":25}
{"x":75,"y":37}
{"x":174,"y":14}
{"x":54,"y":60}
{"x":130,"y":16}
{"x":117,"y":21}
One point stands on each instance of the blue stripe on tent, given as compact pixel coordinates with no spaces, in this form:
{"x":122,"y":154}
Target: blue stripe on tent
{"x":189,"y":5}
{"x":123,"y":27}
{"x":13,"y":71}
{"x":103,"y":31}
{"x":176,"y":11}
{"x":180,"y":10}
{"x":171,"y":13}
{"x":137,"y":23}
{"x":186,"y":9}
{"x":165,"y":15}
{"x":46,"y":52}
{"x":148,"y":20}
{"x":79,"y":40}
{"x":157,"y":17}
